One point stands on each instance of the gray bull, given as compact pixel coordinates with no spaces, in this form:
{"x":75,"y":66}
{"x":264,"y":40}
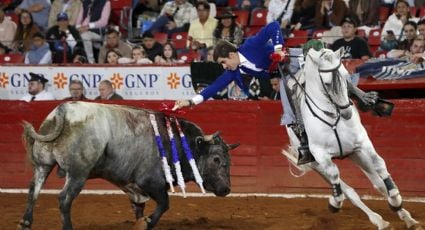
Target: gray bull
{"x":117,"y":143}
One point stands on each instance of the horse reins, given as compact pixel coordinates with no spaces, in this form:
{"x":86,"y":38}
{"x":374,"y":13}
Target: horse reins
{"x":337,"y":107}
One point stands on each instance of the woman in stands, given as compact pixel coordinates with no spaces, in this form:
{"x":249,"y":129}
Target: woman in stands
{"x":227,"y":29}
{"x":112,"y":57}
{"x":24,"y":32}
{"x":168,"y":55}
{"x":392,"y":30}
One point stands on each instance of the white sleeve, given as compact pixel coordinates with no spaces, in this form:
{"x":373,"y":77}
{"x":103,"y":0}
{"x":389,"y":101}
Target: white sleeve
{"x":198,"y":99}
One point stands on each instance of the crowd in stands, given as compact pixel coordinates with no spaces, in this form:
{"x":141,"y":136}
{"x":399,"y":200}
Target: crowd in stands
{"x":179,"y":31}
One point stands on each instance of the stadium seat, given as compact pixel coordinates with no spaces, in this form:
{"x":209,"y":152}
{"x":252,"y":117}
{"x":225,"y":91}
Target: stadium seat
{"x":179,"y":39}
{"x":361,"y":33}
{"x":121,"y":14}
{"x":383,"y":14}
{"x":161,"y":38}
{"x":232,"y":3}
{"x":258,"y":17}
{"x":14,"y":17}
{"x":243,"y":17}
{"x":251,"y":30}
{"x":297,"y":38}
{"x":188,"y":57}
{"x":413,"y":11}
{"x":374,"y":39}
{"x":421,"y":12}
{"x":318,"y":34}
{"x":11,"y":58}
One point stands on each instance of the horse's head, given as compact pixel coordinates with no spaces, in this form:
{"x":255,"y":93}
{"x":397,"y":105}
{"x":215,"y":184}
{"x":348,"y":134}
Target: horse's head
{"x":325,"y":71}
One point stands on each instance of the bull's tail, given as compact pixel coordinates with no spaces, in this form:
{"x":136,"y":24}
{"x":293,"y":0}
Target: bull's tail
{"x":30,"y":135}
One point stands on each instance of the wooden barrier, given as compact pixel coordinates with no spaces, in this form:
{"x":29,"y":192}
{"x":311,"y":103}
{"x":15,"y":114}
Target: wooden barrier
{"x":257,"y":165}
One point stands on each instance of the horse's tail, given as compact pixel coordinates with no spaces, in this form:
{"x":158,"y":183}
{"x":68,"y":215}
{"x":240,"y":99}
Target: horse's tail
{"x":291,"y":154}
{"x":30,"y":135}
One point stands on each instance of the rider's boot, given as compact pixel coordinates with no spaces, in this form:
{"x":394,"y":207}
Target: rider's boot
{"x":304,"y":154}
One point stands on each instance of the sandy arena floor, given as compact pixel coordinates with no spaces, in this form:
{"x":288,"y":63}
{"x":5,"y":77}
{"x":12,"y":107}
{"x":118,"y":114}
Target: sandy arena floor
{"x":102,"y":212}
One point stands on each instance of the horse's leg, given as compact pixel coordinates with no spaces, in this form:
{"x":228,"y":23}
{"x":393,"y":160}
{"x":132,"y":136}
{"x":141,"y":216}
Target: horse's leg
{"x":351,"y":194}
{"x":331,"y":172}
{"x":37,"y":182}
{"x":375,"y":169}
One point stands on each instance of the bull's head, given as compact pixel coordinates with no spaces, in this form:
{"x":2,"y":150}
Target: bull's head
{"x":214,"y":163}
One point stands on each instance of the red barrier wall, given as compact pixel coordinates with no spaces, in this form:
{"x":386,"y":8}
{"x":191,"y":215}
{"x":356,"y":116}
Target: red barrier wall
{"x":257,"y":165}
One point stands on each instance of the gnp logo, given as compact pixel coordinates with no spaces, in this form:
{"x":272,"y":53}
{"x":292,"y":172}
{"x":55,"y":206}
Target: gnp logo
{"x":4,"y":80}
{"x":173,"y":80}
{"x":60,"y":80}
{"x":117,"y":81}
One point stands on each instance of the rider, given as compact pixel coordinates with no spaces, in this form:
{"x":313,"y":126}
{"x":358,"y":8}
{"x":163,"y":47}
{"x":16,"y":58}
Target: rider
{"x":253,"y":57}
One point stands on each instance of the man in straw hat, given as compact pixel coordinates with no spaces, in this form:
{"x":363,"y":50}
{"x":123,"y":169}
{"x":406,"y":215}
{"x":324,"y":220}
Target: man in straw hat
{"x":36,"y":89}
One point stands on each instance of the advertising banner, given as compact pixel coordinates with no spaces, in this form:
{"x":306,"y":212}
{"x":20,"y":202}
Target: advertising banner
{"x":131,"y":82}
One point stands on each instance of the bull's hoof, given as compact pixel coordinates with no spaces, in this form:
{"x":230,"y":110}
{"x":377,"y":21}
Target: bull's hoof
{"x":416,"y":227}
{"x":141,"y":224}
{"x":333,"y":209}
{"x":24,"y":225}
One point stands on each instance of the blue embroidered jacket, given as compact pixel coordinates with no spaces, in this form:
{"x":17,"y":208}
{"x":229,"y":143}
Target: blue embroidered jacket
{"x":257,"y":50}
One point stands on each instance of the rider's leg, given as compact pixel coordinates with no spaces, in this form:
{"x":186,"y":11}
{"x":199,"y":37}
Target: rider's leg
{"x":289,"y":118}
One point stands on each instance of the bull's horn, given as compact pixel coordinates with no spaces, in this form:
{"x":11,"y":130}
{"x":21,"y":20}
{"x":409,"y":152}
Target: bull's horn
{"x":210,"y":137}
{"x":233,"y":146}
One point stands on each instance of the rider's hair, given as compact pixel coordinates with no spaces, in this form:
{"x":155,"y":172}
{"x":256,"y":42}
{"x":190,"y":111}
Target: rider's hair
{"x":223,"y":48}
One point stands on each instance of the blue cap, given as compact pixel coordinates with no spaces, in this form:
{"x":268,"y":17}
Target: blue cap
{"x":62,"y":16}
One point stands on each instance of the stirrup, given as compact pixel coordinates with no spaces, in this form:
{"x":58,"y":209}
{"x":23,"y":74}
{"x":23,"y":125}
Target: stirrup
{"x":304,"y":155}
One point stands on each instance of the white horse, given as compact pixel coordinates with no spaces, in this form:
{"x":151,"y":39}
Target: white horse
{"x":334,"y":130}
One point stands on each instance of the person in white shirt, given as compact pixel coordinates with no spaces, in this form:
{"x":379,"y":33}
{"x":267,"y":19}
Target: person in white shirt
{"x":280,"y":11}
{"x":36,"y":89}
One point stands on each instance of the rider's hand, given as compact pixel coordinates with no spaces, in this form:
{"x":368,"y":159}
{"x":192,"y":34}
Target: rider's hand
{"x":181,"y":104}
{"x":279,"y":55}
{"x":370,"y":98}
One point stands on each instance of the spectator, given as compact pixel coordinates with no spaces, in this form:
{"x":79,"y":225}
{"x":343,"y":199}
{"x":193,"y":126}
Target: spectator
{"x":36,"y":89}
{"x":367,"y":12}
{"x":39,"y":52}
{"x":416,"y":51}
{"x":24,"y":32}
{"x":150,"y":45}
{"x":63,"y":38}
{"x":39,"y":9}
{"x":138,"y":56}
{"x":392,"y":30}
{"x":201,"y":30}
{"x":112,"y":57}
{"x":329,"y":13}
{"x":168,"y":56}
{"x":303,"y":15}
{"x":354,"y":47}
{"x":106,"y":92}
{"x":174,"y":17}
{"x":7,"y":30}
{"x":275,"y":94}
{"x":280,"y":11}
{"x":91,"y":21}
{"x":70,"y":7}
{"x":421,"y":27}
{"x":76,"y":89}
{"x":227,"y":29}
{"x":409,"y":34}
{"x":79,"y":56}
{"x":248,"y":4}
{"x":213,"y":10}
{"x":113,"y":41}
{"x":210,"y":54}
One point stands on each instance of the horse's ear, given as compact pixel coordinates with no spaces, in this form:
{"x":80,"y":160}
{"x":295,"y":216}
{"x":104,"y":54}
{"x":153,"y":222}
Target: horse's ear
{"x":340,"y":52}
{"x":315,"y":55}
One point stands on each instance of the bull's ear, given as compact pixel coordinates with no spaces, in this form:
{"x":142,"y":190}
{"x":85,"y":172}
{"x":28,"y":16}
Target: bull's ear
{"x":233,"y":146}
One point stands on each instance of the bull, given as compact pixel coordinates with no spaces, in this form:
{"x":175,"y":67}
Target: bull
{"x":117,"y":143}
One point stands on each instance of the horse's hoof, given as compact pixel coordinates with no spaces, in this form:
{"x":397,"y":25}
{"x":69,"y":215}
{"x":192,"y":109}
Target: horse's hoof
{"x":24,"y":225}
{"x":141,"y":224}
{"x":387,"y":226}
{"x":416,"y":227}
{"x":333,"y":209}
